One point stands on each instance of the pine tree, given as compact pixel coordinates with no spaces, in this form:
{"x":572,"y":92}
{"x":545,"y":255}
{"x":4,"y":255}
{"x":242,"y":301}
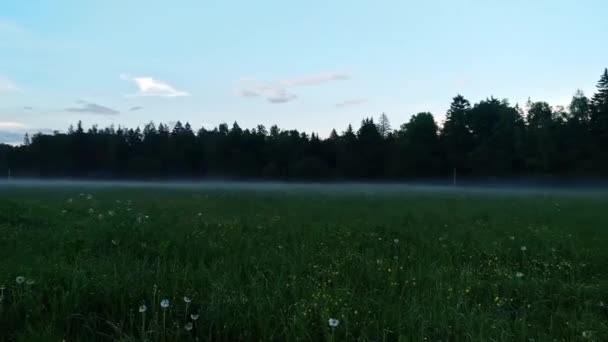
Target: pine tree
{"x":384,"y":126}
{"x":456,"y":136}
{"x":599,"y":122}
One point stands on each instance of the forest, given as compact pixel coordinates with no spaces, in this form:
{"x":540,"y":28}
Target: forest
{"x":491,"y":139}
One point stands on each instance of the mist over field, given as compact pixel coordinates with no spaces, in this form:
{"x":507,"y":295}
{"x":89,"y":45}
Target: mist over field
{"x":583,"y":188}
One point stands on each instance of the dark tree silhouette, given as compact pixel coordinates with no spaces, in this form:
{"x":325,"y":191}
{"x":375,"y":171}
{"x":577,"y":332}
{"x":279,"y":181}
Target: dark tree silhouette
{"x":487,"y":140}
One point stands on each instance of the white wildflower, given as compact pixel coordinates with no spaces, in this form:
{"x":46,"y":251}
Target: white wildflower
{"x":164,"y":303}
{"x":143,"y":308}
{"x":20,"y":280}
{"x":188,"y":326}
{"x":523,"y":248}
{"x":519,"y":274}
{"x":187,"y":300}
{"x":396,"y":241}
{"x":194,"y":317}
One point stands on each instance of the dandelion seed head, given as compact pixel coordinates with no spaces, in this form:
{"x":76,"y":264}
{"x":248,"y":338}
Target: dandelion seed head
{"x":30,"y":282}
{"x":519,"y":274}
{"x":523,"y":248}
{"x":396,"y":240}
{"x":20,"y":280}
{"x":187,"y":300}
{"x":188,"y":326}
{"x":164,"y":303}
{"x":143,"y":308}
{"x":194,"y":317}
{"x":333,"y":322}
{"x":511,"y":237}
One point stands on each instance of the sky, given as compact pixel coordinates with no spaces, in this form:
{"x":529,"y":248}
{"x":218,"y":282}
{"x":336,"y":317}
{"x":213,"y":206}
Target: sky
{"x":308,"y":65}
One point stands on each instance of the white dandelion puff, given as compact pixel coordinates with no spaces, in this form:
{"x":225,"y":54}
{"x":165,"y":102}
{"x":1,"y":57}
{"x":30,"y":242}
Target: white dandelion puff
{"x":20,"y":280}
{"x":586,"y":334}
{"x":523,"y":248}
{"x":187,"y":300}
{"x":110,"y":213}
{"x":30,"y":282}
{"x":91,"y":210}
{"x":188,"y":326}
{"x":164,"y":303}
{"x":511,"y":237}
{"x":519,"y":274}
{"x":194,"y":317}
{"x":143,"y":308}
{"x":89,"y":197}
{"x":333,"y":322}
{"x":396,"y":241}
{"x":70,"y":200}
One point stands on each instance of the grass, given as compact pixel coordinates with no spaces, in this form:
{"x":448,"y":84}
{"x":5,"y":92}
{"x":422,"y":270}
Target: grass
{"x":276,"y":266}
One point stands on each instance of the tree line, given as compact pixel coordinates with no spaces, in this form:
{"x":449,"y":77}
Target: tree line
{"x":491,"y":138}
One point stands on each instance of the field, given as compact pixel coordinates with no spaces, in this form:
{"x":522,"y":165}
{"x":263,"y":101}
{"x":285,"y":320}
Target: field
{"x":95,"y":264}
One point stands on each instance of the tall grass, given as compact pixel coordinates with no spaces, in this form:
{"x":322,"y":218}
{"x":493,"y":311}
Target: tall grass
{"x":278,"y":266}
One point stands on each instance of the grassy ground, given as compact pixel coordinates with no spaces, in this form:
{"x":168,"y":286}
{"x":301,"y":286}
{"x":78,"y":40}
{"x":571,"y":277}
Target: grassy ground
{"x":277,"y":266}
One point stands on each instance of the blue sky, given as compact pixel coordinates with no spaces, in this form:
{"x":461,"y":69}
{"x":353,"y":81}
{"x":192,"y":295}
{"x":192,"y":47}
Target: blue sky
{"x":311,"y":65}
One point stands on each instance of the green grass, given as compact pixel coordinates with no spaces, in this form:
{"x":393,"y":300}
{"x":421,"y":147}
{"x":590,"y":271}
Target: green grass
{"x":277,"y":266}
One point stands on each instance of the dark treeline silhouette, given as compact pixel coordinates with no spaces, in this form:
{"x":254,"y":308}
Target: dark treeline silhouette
{"x":488,"y":139}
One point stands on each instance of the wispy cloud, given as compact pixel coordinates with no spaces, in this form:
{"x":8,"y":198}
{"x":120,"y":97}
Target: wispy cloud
{"x":149,"y":86}
{"x":7,"y":125}
{"x":92,"y":108}
{"x":11,"y":138}
{"x":351,"y":102}
{"x":315,"y":79}
{"x":7,"y":85}
{"x":8,"y":27}
{"x":280,"y":92}
{"x":272,"y":93}
{"x":28,"y":108}
{"x":136,"y":108}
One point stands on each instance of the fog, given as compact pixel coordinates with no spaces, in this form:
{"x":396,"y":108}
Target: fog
{"x":583,"y":189}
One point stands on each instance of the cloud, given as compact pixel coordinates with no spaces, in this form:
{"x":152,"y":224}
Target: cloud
{"x":281,"y":96}
{"x":315,"y":79}
{"x":11,"y":138}
{"x":92,"y":108}
{"x":279,"y":92}
{"x":272,"y":93}
{"x":11,"y":125}
{"x":352,"y":102}
{"x":7,"y":85}
{"x":8,"y":27}
{"x":28,"y":108}
{"x":136,"y":108}
{"x":149,"y":86}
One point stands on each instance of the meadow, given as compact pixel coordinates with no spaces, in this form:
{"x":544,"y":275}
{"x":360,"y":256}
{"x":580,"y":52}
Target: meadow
{"x":99,"y":264}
